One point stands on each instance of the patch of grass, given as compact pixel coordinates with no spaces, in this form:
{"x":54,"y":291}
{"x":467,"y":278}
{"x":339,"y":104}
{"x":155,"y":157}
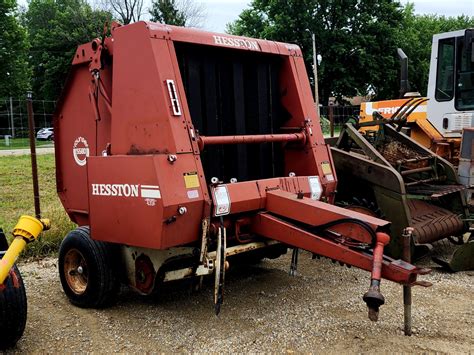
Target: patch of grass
{"x":16,"y":199}
{"x":327,"y":131}
{"x":20,"y":143}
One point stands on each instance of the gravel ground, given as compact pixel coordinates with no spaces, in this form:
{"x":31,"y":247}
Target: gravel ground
{"x":265,"y":310}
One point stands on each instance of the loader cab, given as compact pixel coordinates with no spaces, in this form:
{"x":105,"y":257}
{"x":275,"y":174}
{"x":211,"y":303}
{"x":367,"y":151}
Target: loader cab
{"x":451,"y":82}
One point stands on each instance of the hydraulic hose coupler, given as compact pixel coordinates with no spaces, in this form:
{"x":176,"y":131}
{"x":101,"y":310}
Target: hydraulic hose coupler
{"x":373,"y":298}
{"x":26,"y":230}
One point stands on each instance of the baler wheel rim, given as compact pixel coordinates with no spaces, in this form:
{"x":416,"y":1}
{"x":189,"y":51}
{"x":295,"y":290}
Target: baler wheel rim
{"x":76,"y":271}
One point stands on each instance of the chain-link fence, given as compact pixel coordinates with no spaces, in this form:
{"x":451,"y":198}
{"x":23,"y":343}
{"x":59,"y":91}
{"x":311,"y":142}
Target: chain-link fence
{"x":334,"y":117}
{"x":14,"y":116}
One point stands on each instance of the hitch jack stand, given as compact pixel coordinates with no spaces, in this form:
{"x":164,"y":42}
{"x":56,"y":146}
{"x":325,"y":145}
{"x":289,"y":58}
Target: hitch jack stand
{"x":406,"y":288}
{"x":294,"y":262}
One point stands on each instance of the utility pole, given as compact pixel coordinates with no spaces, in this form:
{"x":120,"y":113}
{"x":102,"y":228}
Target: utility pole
{"x":11,"y":117}
{"x":315,"y":72}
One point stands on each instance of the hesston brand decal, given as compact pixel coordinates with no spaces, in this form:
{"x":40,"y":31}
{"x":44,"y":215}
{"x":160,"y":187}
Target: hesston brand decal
{"x":236,"y":42}
{"x":80,"y":151}
{"x":126,"y":190}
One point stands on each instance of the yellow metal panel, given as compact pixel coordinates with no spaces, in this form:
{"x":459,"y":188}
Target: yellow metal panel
{"x":326,"y":167}
{"x":191,"y":180}
{"x":428,"y":129}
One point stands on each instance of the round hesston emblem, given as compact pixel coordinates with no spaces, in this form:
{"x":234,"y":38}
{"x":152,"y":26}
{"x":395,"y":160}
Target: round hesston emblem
{"x":80,"y":150}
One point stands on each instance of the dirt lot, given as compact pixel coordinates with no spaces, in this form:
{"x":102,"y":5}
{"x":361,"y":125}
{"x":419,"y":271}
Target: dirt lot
{"x":265,"y":309}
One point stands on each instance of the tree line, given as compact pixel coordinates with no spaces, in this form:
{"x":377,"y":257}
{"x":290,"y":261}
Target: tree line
{"x":356,"y":39}
{"x":37,"y":43}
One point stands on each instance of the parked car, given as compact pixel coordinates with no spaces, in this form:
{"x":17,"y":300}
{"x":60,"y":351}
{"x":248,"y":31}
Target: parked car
{"x":45,"y":134}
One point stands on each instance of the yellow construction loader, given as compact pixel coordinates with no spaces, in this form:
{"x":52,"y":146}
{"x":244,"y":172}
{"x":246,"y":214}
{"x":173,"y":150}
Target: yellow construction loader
{"x":415,"y":155}
{"x":437,"y":120}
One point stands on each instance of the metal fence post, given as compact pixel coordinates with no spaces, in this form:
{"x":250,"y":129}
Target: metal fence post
{"x":11,"y":117}
{"x":34,"y":166}
{"x":331,"y":120}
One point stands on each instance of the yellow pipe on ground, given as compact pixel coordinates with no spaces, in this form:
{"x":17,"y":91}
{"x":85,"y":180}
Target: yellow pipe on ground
{"x":26,"y":230}
{"x":16,"y":247}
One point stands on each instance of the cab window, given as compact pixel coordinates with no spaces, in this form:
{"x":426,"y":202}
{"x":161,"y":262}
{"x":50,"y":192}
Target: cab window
{"x":445,"y":71}
{"x":465,"y":79}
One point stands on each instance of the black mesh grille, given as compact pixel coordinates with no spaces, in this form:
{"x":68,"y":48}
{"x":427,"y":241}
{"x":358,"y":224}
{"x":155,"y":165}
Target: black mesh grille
{"x":234,"y":92}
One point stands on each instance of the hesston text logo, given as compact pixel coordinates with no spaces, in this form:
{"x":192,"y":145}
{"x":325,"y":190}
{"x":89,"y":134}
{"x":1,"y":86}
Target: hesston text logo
{"x":236,"y":42}
{"x":126,"y":190}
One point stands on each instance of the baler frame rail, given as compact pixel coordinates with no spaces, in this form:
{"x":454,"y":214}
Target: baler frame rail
{"x":369,"y":259}
{"x":394,"y":270}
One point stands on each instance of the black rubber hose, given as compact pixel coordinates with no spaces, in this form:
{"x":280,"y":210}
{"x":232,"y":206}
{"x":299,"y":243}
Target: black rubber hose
{"x":363,"y":224}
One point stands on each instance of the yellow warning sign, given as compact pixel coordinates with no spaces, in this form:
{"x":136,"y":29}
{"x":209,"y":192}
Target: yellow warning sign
{"x":191,"y":180}
{"x":326,"y":168}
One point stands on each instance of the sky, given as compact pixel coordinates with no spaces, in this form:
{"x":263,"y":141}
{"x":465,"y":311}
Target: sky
{"x":220,"y":12}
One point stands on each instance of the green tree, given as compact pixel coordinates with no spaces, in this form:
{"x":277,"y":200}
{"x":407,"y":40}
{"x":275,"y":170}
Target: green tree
{"x":179,"y":13}
{"x":415,"y":37}
{"x":14,"y":73}
{"x":56,"y":28}
{"x":356,"y":39}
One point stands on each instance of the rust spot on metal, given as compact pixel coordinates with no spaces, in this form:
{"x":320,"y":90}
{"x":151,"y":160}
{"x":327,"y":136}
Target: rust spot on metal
{"x":137,"y":150}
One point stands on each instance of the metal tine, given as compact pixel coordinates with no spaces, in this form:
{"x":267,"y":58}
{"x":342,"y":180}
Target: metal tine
{"x":410,"y":110}
{"x":401,"y":107}
{"x":404,"y":109}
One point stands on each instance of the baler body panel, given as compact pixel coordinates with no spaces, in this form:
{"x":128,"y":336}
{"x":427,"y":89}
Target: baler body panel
{"x":145,"y":124}
{"x":131,"y":206}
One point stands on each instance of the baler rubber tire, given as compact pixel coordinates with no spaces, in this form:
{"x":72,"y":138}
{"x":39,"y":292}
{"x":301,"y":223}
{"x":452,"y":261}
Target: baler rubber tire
{"x":13,"y":311}
{"x":102,"y":283}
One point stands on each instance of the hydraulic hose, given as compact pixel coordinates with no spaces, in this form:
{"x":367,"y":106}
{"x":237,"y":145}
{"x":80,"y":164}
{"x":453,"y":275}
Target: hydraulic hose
{"x":362,"y":224}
